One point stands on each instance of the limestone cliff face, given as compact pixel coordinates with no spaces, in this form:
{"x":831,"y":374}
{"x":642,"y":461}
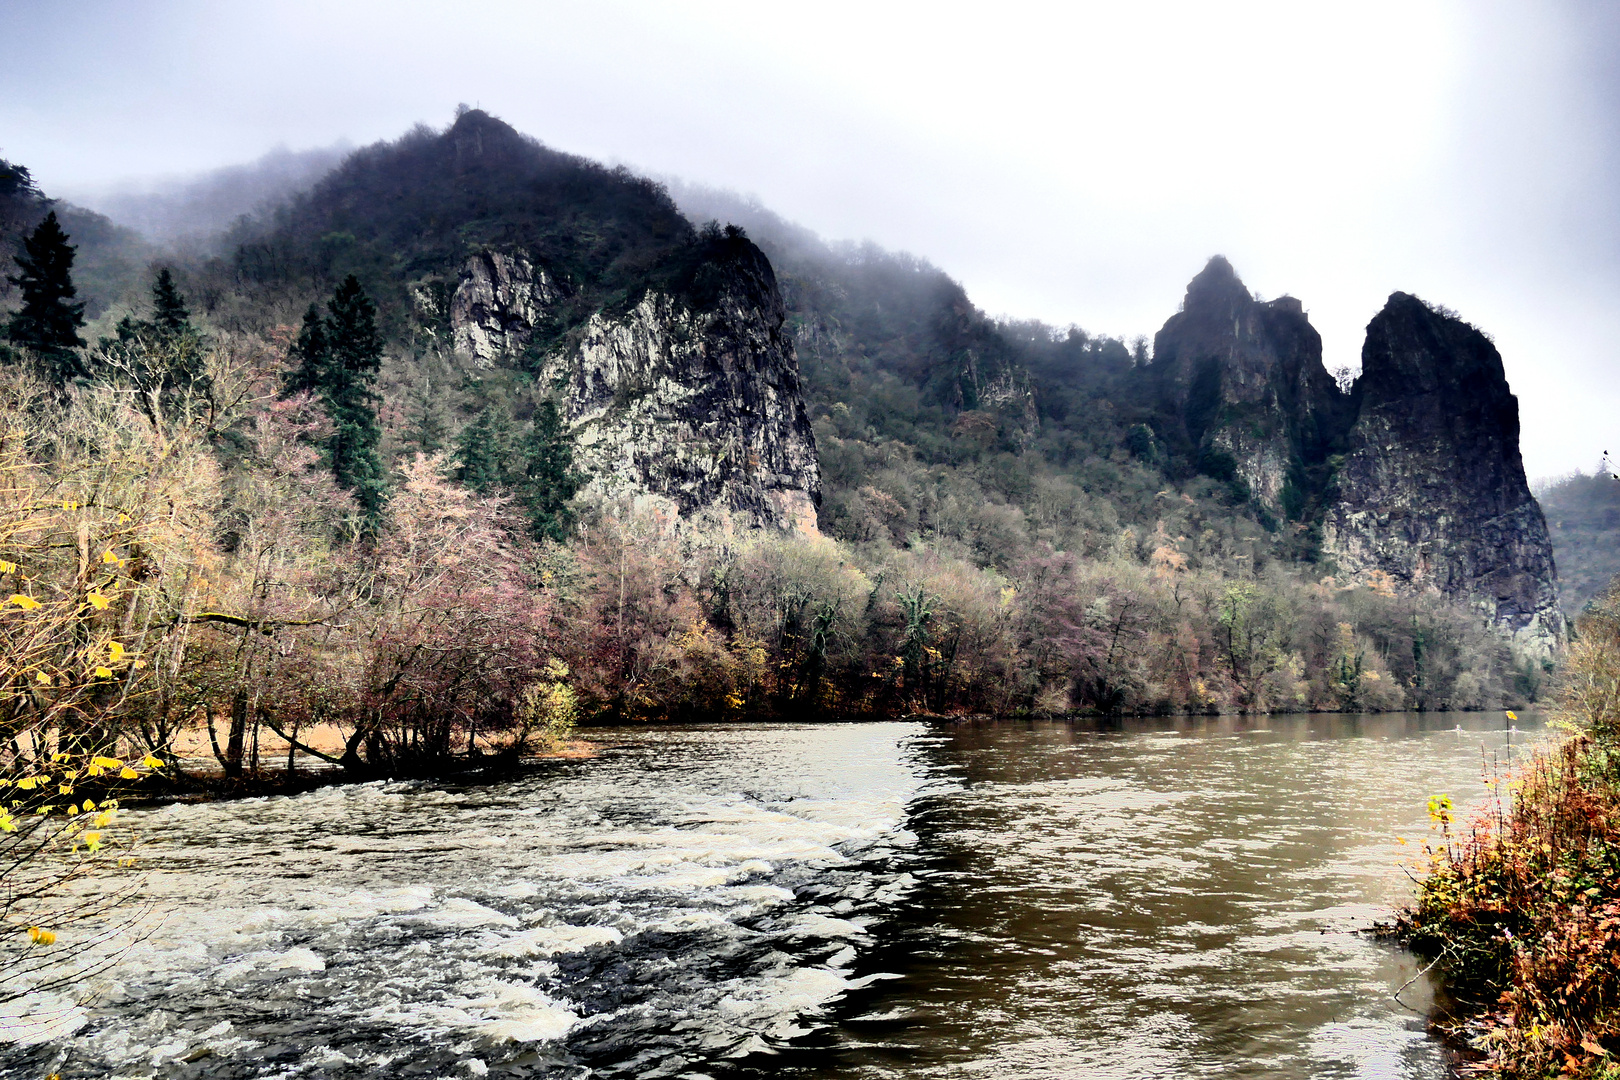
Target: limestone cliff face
{"x":1432,"y":490}
{"x":498,"y":302}
{"x":689,"y":399}
{"x":1243,"y":378}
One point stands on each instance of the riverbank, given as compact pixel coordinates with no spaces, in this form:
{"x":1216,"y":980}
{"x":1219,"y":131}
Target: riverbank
{"x":1520,"y":910}
{"x":197,"y":775}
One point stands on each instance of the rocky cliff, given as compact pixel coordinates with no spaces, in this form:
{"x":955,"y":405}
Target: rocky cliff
{"x":1243,"y":387}
{"x":663,"y":342}
{"x":1415,"y":473}
{"x":1432,"y":490}
{"x":689,"y":397}
{"x":498,"y":301}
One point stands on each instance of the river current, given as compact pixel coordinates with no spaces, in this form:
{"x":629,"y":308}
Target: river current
{"x":1177,"y":898}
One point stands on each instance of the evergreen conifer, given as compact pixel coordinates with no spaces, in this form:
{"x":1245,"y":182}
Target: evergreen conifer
{"x":48,"y":322}
{"x":427,"y":418}
{"x":311,"y":352}
{"x":169,"y":313}
{"x":549,"y":481}
{"x":483,"y":451}
{"x":353,"y":357}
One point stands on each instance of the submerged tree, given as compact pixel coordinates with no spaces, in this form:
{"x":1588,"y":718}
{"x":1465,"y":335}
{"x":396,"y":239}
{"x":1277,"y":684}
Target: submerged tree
{"x":49,"y":320}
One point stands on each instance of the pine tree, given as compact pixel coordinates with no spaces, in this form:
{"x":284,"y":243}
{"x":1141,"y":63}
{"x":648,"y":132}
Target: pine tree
{"x":312,"y":354}
{"x":427,"y":418}
{"x":483,"y":452}
{"x":49,"y":320}
{"x":169,"y":314}
{"x":549,"y":481}
{"x":354,"y":356}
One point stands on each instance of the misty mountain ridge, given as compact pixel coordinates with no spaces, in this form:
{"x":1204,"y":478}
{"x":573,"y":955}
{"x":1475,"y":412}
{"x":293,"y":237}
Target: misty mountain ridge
{"x":932,"y":421}
{"x":197,"y":209}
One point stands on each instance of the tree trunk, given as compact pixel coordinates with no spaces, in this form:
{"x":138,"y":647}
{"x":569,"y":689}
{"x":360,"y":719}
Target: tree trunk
{"x":238,"y":734}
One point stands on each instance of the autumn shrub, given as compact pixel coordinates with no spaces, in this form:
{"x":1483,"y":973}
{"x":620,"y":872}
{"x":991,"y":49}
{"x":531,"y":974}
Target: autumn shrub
{"x":89,"y":508}
{"x":548,"y":710}
{"x":1521,"y":909}
{"x":803,"y":602}
{"x":429,"y":637}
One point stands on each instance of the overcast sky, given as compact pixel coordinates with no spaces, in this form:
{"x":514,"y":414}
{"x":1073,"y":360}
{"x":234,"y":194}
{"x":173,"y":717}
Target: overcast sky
{"x":1071,"y":162}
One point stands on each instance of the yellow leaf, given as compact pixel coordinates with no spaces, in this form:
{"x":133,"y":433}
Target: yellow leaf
{"x":27,"y":783}
{"x":103,"y":673}
{"x":97,"y":601}
{"x":27,"y":603}
{"x":108,"y":557}
{"x":106,"y":762}
{"x":115,"y":650}
{"x":94,"y":770}
{"x":92,"y":840}
{"x":88,"y":805}
{"x":64,"y":789}
{"x":1512,"y":716}
{"x":128,"y":773}
{"x":42,"y":678}
{"x":41,"y":936}
{"x":151,"y":762}
{"x":7,"y":567}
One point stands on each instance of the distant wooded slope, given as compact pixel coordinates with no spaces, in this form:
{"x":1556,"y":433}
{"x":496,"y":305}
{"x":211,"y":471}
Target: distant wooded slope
{"x":1583,"y":514}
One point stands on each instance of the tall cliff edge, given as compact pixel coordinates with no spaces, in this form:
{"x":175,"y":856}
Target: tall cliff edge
{"x":1432,"y":490}
{"x":1243,"y":382}
{"x":662,"y":344}
{"x":1414,"y":474}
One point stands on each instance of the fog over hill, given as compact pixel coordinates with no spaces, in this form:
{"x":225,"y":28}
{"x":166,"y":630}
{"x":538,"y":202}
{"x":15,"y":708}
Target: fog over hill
{"x":197,"y":207}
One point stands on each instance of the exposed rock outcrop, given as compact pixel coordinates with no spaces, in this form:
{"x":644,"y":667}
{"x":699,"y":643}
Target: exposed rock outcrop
{"x":1243,"y":378}
{"x":1432,"y":490}
{"x":1415,"y":473}
{"x":498,"y":302}
{"x":689,"y":398}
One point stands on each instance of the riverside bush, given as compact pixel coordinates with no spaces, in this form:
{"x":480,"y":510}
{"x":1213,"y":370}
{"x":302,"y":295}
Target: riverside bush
{"x":1521,"y":909}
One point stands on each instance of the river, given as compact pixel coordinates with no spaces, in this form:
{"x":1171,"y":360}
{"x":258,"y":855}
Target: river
{"x":1173,"y":898}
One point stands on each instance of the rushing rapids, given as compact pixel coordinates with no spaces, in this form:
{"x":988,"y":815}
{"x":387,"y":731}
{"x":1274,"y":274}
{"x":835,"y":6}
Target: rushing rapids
{"x":883,"y":900}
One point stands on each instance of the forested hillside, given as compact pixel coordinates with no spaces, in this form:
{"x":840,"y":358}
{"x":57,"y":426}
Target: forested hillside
{"x":341,"y":475}
{"x":1583,"y":512}
{"x":934,"y":420}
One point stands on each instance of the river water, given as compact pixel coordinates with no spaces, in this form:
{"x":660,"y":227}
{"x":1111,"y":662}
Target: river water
{"x":1165,"y":899}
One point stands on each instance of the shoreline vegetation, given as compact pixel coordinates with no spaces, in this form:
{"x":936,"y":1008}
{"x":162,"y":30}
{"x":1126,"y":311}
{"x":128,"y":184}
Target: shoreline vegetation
{"x":178,"y":560}
{"x":1520,"y":909}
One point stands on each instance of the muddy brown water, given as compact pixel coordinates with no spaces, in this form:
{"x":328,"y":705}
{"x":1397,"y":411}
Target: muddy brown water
{"x":1158,"y":899}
